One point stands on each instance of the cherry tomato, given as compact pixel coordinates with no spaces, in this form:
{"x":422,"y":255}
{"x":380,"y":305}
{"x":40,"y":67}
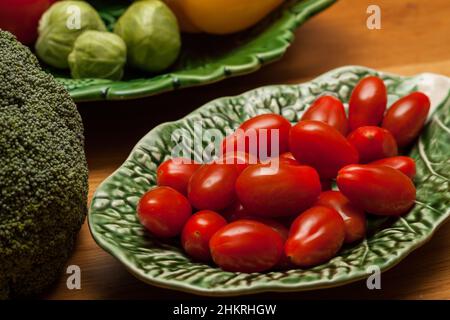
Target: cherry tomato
{"x":315,"y":236}
{"x":330,"y":110}
{"x":354,"y":218}
{"x":284,"y":263}
{"x":288,"y":158}
{"x":235,"y":212}
{"x":373,"y":143}
{"x":274,"y":224}
{"x":21,"y":17}
{"x":164,"y":211}
{"x":406,"y":165}
{"x":287,"y":155}
{"x":260,"y":128}
{"x":197,"y":232}
{"x":271,"y":192}
{"x":246,"y":246}
{"x":377,"y":189}
{"x":406,"y":117}
{"x":321,"y":146}
{"x":367,"y":103}
{"x":239,"y":159}
{"x":279,"y":227}
{"x":175,"y":173}
{"x":211,"y":187}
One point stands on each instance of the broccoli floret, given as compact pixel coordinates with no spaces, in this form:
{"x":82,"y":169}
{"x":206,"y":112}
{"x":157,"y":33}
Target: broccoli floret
{"x":43,"y":173}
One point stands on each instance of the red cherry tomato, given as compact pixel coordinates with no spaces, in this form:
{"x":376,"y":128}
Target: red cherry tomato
{"x":287,"y":155}
{"x":211,"y":187}
{"x":406,"y":165}
{"x":330,"y":110}
{"x":288,"y":190}
{"x":241,"y":214}
{"x":288,"y":158}
{"x":21,"y":17}
{"x":354,"y":218}
{"x":315,"y":236}
{"x":164,"y":211}
{"x":377,"y":189}
{"x":246,"y":246}
{"x":175,"y":173}
{"x":367,"y":103}
{"x":247,"y":137}
{"x":239,"y":159}
{"x":284,"y":263}
{"x":406,"y":117}
{"x":274,"y":224}
{"x":235,"y":212}
{"x":321,"y":146}
{"x":197,"y":232}
{"x":373,"y":143}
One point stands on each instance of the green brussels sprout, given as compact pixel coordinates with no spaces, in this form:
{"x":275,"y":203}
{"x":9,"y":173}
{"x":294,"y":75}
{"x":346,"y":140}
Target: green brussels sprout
{"x":98,"y":54}
{"x":151,"y":33}
{"x":60,"y":26}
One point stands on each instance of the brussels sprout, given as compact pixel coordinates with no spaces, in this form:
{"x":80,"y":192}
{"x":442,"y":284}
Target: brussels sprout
{"x":60,"y":26}
{"x":151,"y":33}
{"x":98,"y":54}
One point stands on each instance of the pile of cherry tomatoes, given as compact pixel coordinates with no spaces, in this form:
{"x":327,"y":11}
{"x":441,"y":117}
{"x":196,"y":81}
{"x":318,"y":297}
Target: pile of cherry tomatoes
{"x":251,"y":218}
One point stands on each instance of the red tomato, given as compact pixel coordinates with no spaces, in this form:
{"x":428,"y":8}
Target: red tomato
{"x":377,"y":189}
{"x":406,"y":165}
{"x":367,"y":103}
{"x":330,"y":110}
{"x":164,"y":211}
{"x":321,"y":146}
{"x":197,"y":232}
{"x":285,"y":191}
{"x":211,"y":187}
{"x":354,"y":218}
{"x":246,"y":246}
{"x":373,"y":143}
{"x":315,"y":236}
{"x":288,"y":158}
{"x":241,"y":214}
{"x":406,"y":117}
{"x":274,"y":224}
{"x":235,"y":212}
{"x":239,"y":159}
{"x":21,"y":17}
{"x":175,"y":173}
{"x":247,"y":137}
{"x":284,"y":262}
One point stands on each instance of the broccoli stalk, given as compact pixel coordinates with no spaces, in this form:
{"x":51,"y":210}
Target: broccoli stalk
{"x":43,"y":173}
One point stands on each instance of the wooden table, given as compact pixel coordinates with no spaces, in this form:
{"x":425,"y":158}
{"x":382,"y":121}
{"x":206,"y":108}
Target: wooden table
{"x":414,"y":38}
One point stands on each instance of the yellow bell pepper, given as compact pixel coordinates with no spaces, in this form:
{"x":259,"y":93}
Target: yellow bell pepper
{"x":220,"y":16}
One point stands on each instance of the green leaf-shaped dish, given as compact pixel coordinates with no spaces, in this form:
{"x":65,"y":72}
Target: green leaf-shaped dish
{"x":114,"y":225}
{"x":204,"y":58}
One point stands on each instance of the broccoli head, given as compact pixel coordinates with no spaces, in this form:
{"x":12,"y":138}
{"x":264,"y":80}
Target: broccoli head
{"x":43,"y":173}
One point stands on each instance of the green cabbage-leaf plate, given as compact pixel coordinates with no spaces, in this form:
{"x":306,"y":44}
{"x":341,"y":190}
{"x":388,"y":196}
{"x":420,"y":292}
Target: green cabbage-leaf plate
{"x":114,"y":225}
{"x":204,"y":58}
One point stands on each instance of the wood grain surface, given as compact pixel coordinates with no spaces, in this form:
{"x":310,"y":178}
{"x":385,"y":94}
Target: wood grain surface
{"x":414,"y":38}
